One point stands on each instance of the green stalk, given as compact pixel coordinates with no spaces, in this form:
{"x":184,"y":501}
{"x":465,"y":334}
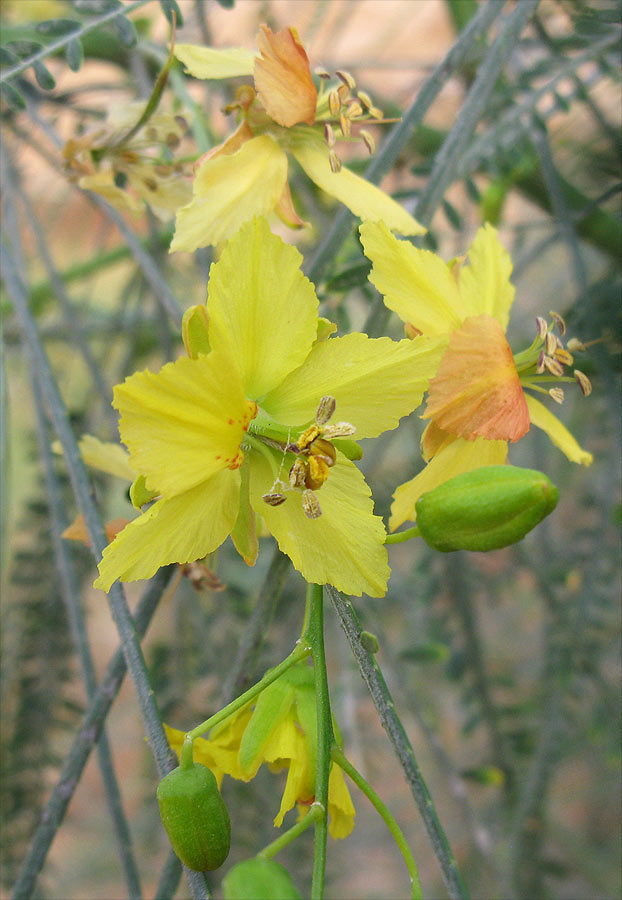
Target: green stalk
{"x":300,"y":652}
{"x":402,"y":536}
{"x":325,"y":736}
{"x":314,"y":815}
{"x":339,"y":757}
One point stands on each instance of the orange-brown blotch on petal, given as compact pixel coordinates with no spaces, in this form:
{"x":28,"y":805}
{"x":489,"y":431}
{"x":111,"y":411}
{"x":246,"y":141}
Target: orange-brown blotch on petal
{"x":477,"y":391}
{"x":283,"y":77}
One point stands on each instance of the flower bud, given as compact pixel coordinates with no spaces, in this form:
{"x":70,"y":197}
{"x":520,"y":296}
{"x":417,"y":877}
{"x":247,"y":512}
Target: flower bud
{"x":258,"y":878}
{"x":485,"y":509}
{"x":195,"y":817}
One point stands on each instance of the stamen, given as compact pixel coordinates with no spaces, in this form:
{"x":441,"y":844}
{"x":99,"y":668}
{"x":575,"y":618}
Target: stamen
{"x":297,"y":474}
{"x":337,"y":430}
{"x":317,"y":473}
{"x":557,"y":394}
{"x":334,"y":102}
{"x":550,"y":343}
{"x":563,"y":356}
{"x":553,"y":366}
{"x":345,"y":125}
{"x":335,"y":162}
{"x":321,"y":72}
{"x":329,"y":135}
{"x":365,"y":99}
{"x":311,"y":505}
{"x":376,"y":113}
{"x":326,"y":408}
{"x":354,"y":109}
{"x":584,"y":382}
{"x":540,"y":364}
{"x":575,"y":345}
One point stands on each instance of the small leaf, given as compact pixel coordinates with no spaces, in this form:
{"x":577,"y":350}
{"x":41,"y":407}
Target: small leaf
{"x":125,"y":30}
{"x":352,"y":277}
{"x":168,"y":8}
{"x":12,"y":96}
{"x":53,"y":27}
{"x":472,"y":190}
{"x":43,"y":76}
{"x":24,"y":49}
{"x":453,"y":216}
{"x":74,"y":54}
{"x":228,"y":4}
{"x":95,"y":7}
{"x":7,"y":57}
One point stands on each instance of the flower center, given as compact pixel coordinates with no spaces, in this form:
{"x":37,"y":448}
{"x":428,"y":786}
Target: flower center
{"x":307,"y":459}
{"x":541,"y":367}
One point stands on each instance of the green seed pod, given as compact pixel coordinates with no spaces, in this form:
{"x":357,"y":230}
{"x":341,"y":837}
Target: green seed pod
{"x":485,"y":509}
{"x":195,"y":817}
{"x":259,"y":879}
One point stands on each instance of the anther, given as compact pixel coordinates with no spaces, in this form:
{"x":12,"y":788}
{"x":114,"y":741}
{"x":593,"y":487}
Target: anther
{"x":540,"y":364}
{"x":584,"y":382}
{"x":376,"y":113}
{"x":354,"y":109}
{"x":542,"y":327}
{"x":343,"y":92}
{"x":339,"y":429}
{"x":561,"y":325}
{"x":550,"y":343}
{"x":326,"y":408}
{"x":334,"y":102}
{"x":557,"y":394}
{"x":347,"y":79}
{"x":575,"y":345}
{"x":329,"y":135}
{"x":274,"y":499}
{"x":335,"y":162}
{"x":345,"y":124}
{"x":369,"y":141}
{"x":311,"y":505}
{"x":298,"y":474}
{"x":321,"y":72}
{"x":563,"y":356}
{"x":365,"y":99}
{"x":553,"y":366}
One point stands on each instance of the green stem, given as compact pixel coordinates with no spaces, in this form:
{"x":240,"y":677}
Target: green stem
{"x":339,"y":757}
{"x":325,"y":736}
{"x":301,"y":651}
{"x":316,"y":812}
{"x":402,"y":536}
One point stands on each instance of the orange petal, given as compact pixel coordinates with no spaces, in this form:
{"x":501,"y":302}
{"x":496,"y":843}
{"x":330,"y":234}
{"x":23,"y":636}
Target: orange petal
{"x":283,"y":77}
{"x":233,"y":143}
{"x":477,"y":392}
{"x":433,"y":440}
{"x":77,"y":530}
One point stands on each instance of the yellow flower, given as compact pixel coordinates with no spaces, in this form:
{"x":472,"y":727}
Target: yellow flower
{"x":246,"y":429}
{"x":130,"y":169}
{"x":476,"y":401}
{"x":247,"y":174}
{"x":280,"y":728}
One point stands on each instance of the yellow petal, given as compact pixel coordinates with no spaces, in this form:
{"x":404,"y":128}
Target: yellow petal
{"x":182,"y":529}
{"x":283,"y":77}
{"x":364,"y":199}
{"x":102,"y":183}
{"x":416,"y":284}
{"x":299,"y":783}
{"x":433,"y":440}
{"x":459,"y":456}
{"x":542,"y":418}
{"x":206,"y":62}
{"x":485,"y":284}
{"x":228,"y":191}
{"x":340,"y":806}
{"x":477,"y":391}
{"x":375,"y":382}
{"x":184,"y":423}
{"x":344,"y":546}
{"x":262,"y":309}
{"x":203,"y":751}
{"x":106,"y":456}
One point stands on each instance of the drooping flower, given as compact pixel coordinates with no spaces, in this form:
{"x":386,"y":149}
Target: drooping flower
{"x":477,"y":400}
{"x":282,"y":113}
{"x":279,"y":728}
{"x":130,"y":167}
{"x":246,"y":429}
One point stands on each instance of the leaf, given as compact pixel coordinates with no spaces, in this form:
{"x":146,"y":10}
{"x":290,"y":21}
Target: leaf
{"x":12,"y":96}
{"x":54,"y":27}
{"x":95,"y":7}
{"x":349,"y":278}
{"x":453,"y":216}
{"x":43,"y":76}
{"x":74,"y":54}
{"x":125,"y":30}
{"x":168,"y":8}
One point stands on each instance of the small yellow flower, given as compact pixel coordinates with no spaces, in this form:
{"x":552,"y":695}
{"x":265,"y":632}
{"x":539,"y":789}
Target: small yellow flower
{"x":248,"y":429}
{"x":282,"y":113}
{"x":476,"y":401}
{"x":131,"y":171}
{"x":280,"y":729}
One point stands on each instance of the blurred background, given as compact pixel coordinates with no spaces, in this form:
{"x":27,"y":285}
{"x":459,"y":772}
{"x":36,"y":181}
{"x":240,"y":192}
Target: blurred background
{"x":505,"y":667}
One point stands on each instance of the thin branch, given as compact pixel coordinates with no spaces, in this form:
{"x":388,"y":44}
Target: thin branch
{"x":70,"y":590}
{"x":395,"y":730}
{"x":398,"y":136}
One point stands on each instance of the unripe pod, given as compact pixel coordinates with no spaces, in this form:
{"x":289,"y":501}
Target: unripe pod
{"x":195,"y":817}
{"x":259,"y":879}
{"x":485,"y":509}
